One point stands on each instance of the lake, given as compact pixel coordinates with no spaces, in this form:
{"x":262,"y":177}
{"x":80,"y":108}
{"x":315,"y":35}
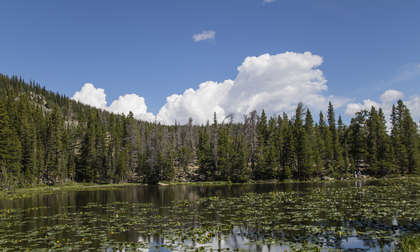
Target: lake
{"x":357,"y":215}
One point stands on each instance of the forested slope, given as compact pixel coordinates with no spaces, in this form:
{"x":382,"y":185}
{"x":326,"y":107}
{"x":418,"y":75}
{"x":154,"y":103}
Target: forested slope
{"x":48,"y":138}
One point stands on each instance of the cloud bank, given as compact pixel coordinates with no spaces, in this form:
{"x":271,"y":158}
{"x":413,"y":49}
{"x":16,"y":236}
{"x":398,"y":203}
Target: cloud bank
{"x":204,"y":35}
{"x":275,"y":83}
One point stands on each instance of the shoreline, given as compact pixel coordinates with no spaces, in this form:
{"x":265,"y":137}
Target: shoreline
{"x":27,"y":192}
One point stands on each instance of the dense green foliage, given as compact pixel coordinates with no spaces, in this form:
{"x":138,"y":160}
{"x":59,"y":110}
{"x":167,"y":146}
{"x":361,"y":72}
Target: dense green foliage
{"x":48,"y":138}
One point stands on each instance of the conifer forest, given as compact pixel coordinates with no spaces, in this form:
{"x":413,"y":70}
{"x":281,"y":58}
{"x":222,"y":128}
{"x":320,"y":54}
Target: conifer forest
{"x":47,"y":138}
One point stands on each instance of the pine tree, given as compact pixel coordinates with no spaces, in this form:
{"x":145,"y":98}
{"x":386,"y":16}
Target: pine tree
{"x":302,"y":148}
{"x":318,"y":146}
{"x":358,"y":139}
{"x":10,"y":151}
{"x":385,"y":156}
{"x":101,"y":159}
{"x":239,"y":170}
{"x":86,"y":169}
{"x":342,"y":140}
{"x":372,"y":128}
{"x":54,"y":164}
{"x":213,"y":146}
{"x":399,"y":148}
{"x":409,"y":137}
{"x":48,"y":138}
{"x":327,"y":152}
{"x":289,"y":153}
{"x":224,"y":153}
{"x":279,"y":137}
{"x":29,"y":149}
{"x":311,"y":149}
{"x":260,"y":171}
{"x":338,"y":163}
{"x":205,"y":155}
{"x":271,"y":153}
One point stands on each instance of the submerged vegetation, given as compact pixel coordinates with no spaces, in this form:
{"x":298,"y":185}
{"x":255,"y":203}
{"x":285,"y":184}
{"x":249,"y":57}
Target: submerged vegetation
{"x":382,"y":214}
{"x":410,"y":244}
{"x":47,"y":138}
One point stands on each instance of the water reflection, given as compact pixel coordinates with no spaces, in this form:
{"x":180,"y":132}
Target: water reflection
{"x":236,"y":240}
{"x":157,"y":195}
{"x":36,"y":209}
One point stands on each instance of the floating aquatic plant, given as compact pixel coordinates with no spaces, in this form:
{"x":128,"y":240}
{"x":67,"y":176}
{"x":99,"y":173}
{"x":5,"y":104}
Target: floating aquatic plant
{"x":322,"y":218}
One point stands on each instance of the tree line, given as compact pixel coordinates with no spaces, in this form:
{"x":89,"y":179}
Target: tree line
{"x":47,"y":138}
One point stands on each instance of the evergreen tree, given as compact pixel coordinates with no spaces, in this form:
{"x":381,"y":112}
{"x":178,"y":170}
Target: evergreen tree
{"x":272,"y":165}
{"x":327,"y":152}
{"x":358,"y":139}
{"x":224,"y":153}
{"x":54,"y":156}
{"x":311,"y":152}
{"x":385,"y":157}
{"x":372,"y":139}
{"x":338,"y":163}
{"x":342,"y":141}
{"x":397,"y":136}
{"x":289,"y":153}
{"x":205,"y":155}
{"x":260,"y":170}
{"x":10,"y":151}
{"x":409,"y":136}
{"x":29,"y":149}
{"x":239,"y":168}
{"x":48,"y":138}
{"x":303,"y":155}
{"x":86,"y":169}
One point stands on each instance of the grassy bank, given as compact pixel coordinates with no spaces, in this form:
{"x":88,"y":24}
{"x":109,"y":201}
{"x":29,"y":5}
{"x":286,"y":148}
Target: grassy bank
{"x":44,"y":189}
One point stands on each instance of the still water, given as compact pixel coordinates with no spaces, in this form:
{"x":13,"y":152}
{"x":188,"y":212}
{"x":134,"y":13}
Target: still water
{"x":362,"y":216}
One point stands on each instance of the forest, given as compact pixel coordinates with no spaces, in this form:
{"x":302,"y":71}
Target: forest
{"x":47,"y":138}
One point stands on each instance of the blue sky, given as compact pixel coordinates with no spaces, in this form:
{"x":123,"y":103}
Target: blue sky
{"x":146,"y":47}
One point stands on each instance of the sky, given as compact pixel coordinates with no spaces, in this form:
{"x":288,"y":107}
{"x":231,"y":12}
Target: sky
{"x":171,"y":60}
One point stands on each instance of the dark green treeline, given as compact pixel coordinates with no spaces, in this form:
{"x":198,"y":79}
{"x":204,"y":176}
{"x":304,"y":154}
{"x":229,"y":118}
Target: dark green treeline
{"x":46,"y":138}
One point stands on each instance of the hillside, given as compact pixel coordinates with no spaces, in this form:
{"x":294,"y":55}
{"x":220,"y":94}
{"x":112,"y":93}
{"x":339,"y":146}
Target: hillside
{"x":47,"y":138}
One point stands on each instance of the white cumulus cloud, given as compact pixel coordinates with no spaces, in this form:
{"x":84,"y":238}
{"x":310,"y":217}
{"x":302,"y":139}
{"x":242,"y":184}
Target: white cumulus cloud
{"x":96,"y":97}
{"x":199,"y":104}
{"x":204,"y":35}
{"x":92,"y":96}
{"x":275,"y":83}
{"x":133,"y":103}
